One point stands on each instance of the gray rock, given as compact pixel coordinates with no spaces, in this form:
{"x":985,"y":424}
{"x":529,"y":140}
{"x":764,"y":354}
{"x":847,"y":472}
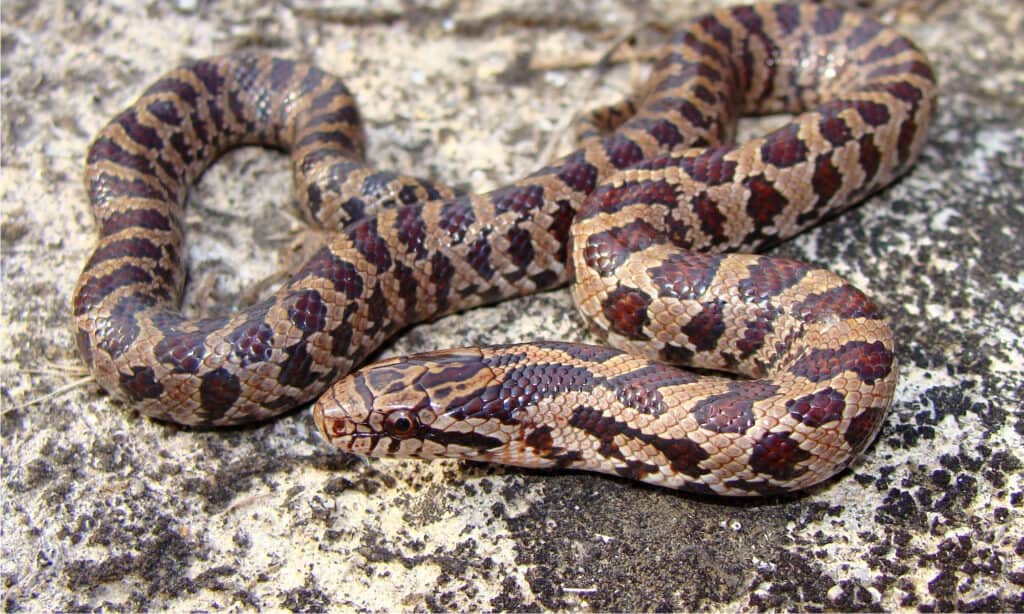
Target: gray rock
{"x":104,"y":508}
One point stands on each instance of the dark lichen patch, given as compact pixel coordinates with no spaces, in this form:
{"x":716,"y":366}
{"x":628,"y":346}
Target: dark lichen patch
{"x":227,"y":481}
{"x":589,"y":543}
{"x":463,"y":570}
{"x":307,"y":598}
{"x":154,"y":558}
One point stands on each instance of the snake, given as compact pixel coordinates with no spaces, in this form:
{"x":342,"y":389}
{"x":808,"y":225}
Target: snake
{"x":655,"y":219}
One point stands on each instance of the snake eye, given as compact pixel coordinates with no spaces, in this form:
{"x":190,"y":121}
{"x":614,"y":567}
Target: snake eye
{"x":401,"y":424}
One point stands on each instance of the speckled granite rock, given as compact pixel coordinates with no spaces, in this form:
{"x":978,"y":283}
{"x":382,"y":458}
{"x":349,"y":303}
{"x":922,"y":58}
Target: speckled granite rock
{"x":102,"y":508}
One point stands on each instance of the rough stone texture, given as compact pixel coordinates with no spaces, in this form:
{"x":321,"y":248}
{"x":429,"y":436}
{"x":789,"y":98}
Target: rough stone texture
{"x":103,"y":508}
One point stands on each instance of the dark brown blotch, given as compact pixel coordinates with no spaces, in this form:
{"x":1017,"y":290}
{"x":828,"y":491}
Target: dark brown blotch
{"x":479,"y":257}
{"x":665,"y":132}
{"x":149,"y":219}
{"x":787,"y":16}
{"x":456,"y":218}
{"x":520,"y":250}
{"x":341,"y":336}
{"x":252,"y":342}
{"x":626,"y":311}
{"x":712,"y":221}
{"x":870,"y":158}
{"x":183,"y":351}
{"x":905,"y":142}
{"x":893,"y":48}
{"x":408,"y":290}
{"x":541,"y":441}
{"x":456,"y":372}
{"x":640,"y":389}
{"x":218,"y":391}
{"x":370,"y":244}
{"x":107,"y":149}
{"x":863,"y":428}
{"x":579,"y":174}
{"x":769,"y":277}
{"x":176,"y":87}
{"x":581,"y":351}
{"x":605,"y":251}
{"x":750,"y":18}
{"x":826,"y":181}
{"x":306,"y":310}
{"x":635,"y":469}
{"x":296,"y":370}
{"x":864,"y":32}
{"x":683,"y":454}
{"x":820,"y":408}
{"x":763,"y":205}
{"x":561,"y":221}
{"x":914,"y":67}
{"x":166,"y":111}
{"x":710,"y":166}
{"x":705,"y":329}
{"x":732,"y":411}
{"x":833,"y":127}
{"x":134,"y":247}
{"x":684,"y":275}
{"x":755,"y":331}
{"x":145,"y":136}
{"x":342,"y":274}
{"x":98,"y":288}
{"x":281,"y":73}
{"x":141,"y":384}
{"x":827,"y":20}
{"x":441,"y":274}
{"x":378,"y":312}
{"x":784,"y":147}
{"x":869,"y":361}
{"x":412,"y":232}
{"x":520,"y":199}
{"x":843,"y":301}
{"x":331,"y":139}
{"x":378,"y":184}
{"x":209,"y":74}
{"x":777,"y":455}
{"x":622,"y":152}
{"x":716,"y":29}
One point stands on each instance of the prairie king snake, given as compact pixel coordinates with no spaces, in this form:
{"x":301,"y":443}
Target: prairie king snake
{"x":639,"y":216}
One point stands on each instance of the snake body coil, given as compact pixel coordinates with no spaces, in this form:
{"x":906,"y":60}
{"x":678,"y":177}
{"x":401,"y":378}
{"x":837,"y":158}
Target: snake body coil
{"x":639,"y":216}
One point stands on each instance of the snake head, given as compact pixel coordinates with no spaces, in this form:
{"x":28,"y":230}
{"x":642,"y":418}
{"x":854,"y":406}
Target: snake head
{"x":411,"y":407}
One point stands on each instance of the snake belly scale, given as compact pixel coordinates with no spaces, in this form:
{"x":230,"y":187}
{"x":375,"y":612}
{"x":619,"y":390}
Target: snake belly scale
{"x":639,"y":218}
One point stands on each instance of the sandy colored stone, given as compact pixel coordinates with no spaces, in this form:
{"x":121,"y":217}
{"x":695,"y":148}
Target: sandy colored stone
{"x":104,"y":508}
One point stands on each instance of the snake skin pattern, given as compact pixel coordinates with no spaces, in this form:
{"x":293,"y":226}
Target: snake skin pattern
{"x":638,"y":216}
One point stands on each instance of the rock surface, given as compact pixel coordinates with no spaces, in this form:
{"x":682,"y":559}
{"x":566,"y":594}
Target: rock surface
{"x":104,"y":508}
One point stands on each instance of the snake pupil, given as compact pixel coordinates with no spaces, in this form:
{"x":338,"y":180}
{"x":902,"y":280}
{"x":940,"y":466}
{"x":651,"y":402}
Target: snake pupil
{"x":401,"y":424}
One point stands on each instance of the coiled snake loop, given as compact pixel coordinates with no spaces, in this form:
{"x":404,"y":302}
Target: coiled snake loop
{"x":639,"y":216}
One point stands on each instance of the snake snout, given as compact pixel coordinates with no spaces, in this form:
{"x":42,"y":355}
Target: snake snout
{"x":340,"y":412}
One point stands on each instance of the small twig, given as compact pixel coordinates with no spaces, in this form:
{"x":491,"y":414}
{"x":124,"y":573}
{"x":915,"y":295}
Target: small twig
{"x":345,"y":15}
{"x":59,"y":369}
{"x":587,"y":59}
{"x":59,"y":391}
{"x":600,"y":64}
